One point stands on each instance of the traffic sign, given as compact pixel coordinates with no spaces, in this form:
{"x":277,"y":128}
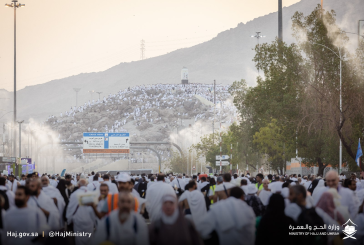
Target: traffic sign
{"x":223,"y":157}
{"x":8,"y":159}
{"x":223,"y":163}
{"x":106,"y":143}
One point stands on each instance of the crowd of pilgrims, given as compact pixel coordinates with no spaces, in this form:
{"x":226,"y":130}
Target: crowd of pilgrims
{"x":143,"y":106}
{"x":180,"y":209}
{"x":156,"y":96}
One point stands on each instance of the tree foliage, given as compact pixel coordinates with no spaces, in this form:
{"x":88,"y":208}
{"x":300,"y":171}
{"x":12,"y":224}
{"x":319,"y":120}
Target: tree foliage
{"x":296,"y":104}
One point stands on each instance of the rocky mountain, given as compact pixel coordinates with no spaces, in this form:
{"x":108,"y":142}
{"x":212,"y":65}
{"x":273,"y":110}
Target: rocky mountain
{"x":226,"y":58}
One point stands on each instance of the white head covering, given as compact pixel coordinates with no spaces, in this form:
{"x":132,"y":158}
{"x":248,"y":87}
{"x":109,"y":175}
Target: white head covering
{"x":123,"y":177}
{"x":169,"y":220}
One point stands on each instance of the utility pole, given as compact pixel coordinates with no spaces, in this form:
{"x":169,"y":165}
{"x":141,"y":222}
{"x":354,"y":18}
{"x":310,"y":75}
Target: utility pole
{"x":220,"y":149}
{"x":3,"y":139}
{"x":231,"y":158}
{"x":14,"y":5}
{"x":142,"y":50}
{"x":237,"y":149}
{"x":99,"y":94}
{"x":213,"y":121}
{"x":76,"y":90}
{"x":280,"y":21}
{"x":19,"y":165}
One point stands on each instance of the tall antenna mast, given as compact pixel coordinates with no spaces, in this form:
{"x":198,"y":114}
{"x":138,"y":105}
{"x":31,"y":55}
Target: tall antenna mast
{"x":258,"y":36}
{"x":142,"y":50}
{"x":280,"y":21}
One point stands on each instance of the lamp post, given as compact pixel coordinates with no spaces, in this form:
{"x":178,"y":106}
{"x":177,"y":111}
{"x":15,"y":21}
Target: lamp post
{"x":76,"y":90}
{"x":99,"y":94}
{"x":341,"y":110}
{"x":19,"y":166}
{"x":14,"y":5}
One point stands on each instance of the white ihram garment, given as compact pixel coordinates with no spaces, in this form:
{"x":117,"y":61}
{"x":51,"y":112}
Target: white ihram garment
{"x":53,"y":192}
{"x":45,"y":202}
{"x":83,"y":217}
{"x":133,"y":231}
{"x":196,"y":202}
{"x":94,"y":186}
{"x":154,"y":196}
{"x":29,"y":219}
{"x":232,"y":219}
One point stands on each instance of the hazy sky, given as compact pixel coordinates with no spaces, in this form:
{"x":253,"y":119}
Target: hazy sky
{"x":61,"y":38}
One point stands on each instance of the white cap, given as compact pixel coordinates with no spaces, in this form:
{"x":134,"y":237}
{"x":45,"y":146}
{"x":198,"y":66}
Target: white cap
{"x":123,"y":177}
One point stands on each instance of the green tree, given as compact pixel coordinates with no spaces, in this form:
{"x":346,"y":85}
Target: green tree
{"x":320,"y":113}
{"x":300,"y":92}
{"x":272,"y":142}
{"x":178,"y":163}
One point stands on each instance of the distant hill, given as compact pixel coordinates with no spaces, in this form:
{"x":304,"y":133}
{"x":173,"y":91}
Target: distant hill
{"x":226,"y":58}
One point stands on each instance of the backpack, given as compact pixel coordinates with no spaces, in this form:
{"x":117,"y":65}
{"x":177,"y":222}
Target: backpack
{"x":309,"y":217}
{"x":255,"y":203}
{"x":6,"y":199}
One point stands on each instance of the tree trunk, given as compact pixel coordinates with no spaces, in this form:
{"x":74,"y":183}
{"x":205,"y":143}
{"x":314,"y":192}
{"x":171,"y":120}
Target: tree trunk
{"x":321,"y":166}
{"x":345,"y":144}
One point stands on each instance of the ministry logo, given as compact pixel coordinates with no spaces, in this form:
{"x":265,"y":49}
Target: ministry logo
{"x":349,"y":229}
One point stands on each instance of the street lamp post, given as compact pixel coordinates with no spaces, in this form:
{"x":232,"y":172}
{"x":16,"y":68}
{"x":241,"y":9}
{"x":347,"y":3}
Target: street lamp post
{"x":14,"y":5}
{"x":99,"y":94}
{"x":341,"y":110}
{"x":76,"y":90}
{"x":19,"y":166}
